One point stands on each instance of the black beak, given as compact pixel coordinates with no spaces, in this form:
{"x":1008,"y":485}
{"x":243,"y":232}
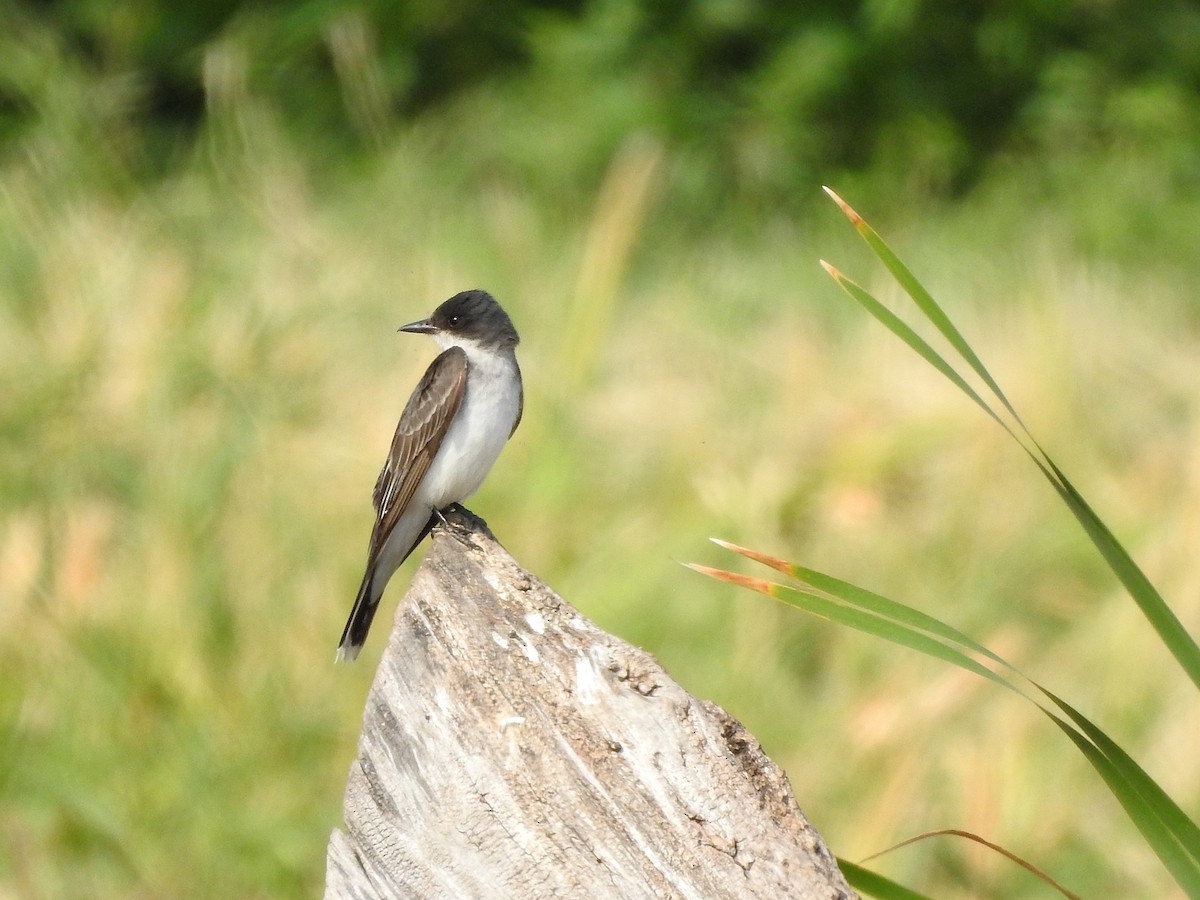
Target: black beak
{"x":421,"y":327}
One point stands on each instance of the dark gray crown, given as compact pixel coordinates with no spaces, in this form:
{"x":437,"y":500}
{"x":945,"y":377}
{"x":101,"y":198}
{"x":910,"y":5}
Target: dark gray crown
{"x":477,"y":316}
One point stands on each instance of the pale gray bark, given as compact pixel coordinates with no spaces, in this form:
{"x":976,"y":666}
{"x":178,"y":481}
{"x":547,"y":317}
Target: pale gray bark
{"x":512,"y":749}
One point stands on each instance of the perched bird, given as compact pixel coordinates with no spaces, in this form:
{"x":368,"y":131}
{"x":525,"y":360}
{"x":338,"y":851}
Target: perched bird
{"x":453,"y":428}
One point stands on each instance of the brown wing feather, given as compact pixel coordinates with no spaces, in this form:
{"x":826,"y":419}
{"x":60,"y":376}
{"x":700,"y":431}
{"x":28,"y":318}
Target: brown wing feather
{"x":419,"y":434}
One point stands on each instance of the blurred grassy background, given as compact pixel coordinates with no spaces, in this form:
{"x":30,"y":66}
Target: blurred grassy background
{"x":212,"y":227}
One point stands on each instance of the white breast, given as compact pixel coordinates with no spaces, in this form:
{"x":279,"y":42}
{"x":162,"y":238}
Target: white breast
{"x":479,"y":431}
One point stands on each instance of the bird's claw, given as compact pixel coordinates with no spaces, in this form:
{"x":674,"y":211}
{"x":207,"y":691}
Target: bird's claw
{"x":457,"y":531}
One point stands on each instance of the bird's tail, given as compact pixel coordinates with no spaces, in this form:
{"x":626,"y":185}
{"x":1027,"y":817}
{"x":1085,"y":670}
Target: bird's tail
{"x":355,"y":633}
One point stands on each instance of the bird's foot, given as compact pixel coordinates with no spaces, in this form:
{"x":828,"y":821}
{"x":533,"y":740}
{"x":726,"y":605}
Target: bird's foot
{"x":461,"y":527}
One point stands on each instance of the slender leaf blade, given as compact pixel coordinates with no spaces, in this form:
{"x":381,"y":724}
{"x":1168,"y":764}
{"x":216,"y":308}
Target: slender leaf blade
{"x":1183,"y":868}
{"x":876,"y":885}
{"x":1164,"y":621}
{"x":900,"y":612}
{"x":1161,"y":617}
{"x":924,"y":300}
{"x":869,"y":600}
{"x":991,"y":845}
{"x":860,"y":620}
{"x":1173,"y":837}
{"x":900,"y":328}
{"x":1184,"y":829}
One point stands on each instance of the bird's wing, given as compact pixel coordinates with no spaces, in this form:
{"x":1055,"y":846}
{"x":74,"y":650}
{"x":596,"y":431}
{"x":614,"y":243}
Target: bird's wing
{"x":520,"y":399}
{"x":423,"y":425}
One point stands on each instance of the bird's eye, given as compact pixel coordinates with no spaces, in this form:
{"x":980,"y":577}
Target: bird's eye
{"x":453,"y":321}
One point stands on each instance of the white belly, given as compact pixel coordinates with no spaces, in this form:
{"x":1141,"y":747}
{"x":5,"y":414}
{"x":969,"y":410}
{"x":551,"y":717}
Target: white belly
{"x":478,"y":434}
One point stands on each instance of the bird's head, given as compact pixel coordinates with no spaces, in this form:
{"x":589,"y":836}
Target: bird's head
{"x":468,"y":318}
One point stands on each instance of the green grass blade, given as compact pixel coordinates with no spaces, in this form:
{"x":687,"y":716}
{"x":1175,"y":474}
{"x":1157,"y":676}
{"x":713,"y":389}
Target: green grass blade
{"x":1182,"y":866}
{"x":1167,"y":625}
{"x":861,"y":620}
{"x":899,"y":612}
{"x":1161,"y":617}
{"x":1171,"y":834}
{"x":923,"y":349}
{"x":924,"y":300}
{"x":890,"y":630}
{"x":898,"y":327}
{"x":1180,"y":826}
{"x":1164,"y":621}
{"x":1186,"y":831}
{"x":874,"y":885}
{"x":868,"y":600}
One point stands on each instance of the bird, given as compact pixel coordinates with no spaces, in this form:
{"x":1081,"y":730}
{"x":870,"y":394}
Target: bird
{"x":460,"y":415}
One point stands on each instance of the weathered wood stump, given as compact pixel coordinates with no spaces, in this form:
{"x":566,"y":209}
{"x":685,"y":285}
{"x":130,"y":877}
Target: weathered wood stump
{"x":510,"y":748}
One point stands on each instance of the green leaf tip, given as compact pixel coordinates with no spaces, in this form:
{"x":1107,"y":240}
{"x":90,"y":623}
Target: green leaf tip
{"x":833,"y":271}
{"x":855,"y":218}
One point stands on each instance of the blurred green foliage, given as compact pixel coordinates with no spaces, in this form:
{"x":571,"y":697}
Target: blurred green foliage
{"x":758,"y":97}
